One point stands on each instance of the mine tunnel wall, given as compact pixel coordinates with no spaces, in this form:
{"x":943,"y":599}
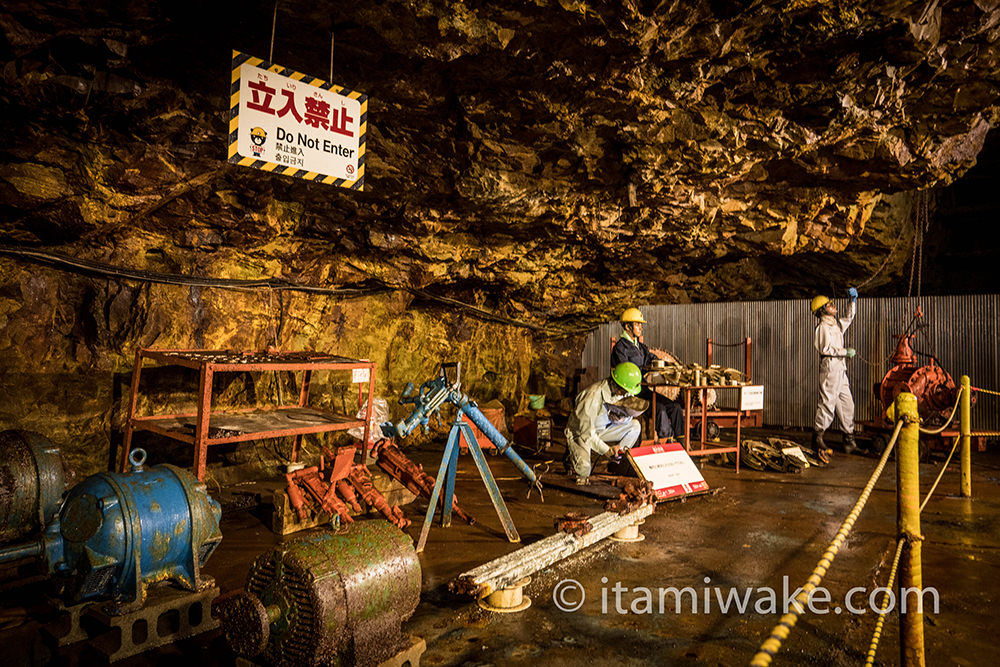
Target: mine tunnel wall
{"x":68,"y":344}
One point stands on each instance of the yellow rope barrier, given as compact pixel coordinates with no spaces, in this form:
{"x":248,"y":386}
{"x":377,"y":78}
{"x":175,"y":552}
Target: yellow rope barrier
{"x":783,"y":629}
{"x":958,"y":397}
{"x":986,"y":391}
{"x":940,"y":474}
{"x":877,"y":635}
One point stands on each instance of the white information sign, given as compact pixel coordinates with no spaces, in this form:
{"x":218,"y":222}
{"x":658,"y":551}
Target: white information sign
{"x":291,"y":123}
{"x":669,"y":468}
{"x":360,"y":375}
{"x":752,"y":397}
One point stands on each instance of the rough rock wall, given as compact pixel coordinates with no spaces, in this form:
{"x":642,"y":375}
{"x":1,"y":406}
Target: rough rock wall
{"x":67,"y":347}
{"x":546,"y":162}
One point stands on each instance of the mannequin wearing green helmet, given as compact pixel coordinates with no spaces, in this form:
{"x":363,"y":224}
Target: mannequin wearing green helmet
{"x":627,"y":376}
{"x":592,"y":429}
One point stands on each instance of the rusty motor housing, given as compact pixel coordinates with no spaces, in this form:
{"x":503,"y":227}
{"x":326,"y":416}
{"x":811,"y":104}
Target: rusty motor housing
{"x":326,"y":599}
{"x":932,"y":385}
{"x":33,"y":478}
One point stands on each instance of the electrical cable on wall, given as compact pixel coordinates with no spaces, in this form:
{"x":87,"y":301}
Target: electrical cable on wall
{"x":103,"y":270}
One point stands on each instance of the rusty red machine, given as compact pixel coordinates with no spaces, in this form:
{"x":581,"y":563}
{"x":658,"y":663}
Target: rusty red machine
{"x":932,"y":385}
{"x":934,"y":388}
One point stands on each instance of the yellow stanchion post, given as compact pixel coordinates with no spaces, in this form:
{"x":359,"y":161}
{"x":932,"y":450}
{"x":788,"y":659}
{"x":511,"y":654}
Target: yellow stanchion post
{"x":965,"y":426}
{"x":911,"y":621}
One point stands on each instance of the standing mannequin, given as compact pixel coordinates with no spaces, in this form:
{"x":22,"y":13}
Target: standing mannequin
{"x":834,"y":390}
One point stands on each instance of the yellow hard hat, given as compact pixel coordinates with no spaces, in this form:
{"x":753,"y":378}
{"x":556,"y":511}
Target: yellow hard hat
{"x":818,"y":302}
{"x":632,"y":315}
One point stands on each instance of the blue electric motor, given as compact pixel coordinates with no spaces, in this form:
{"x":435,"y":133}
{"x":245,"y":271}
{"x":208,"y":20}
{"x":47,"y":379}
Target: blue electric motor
{"x":117,"y":533}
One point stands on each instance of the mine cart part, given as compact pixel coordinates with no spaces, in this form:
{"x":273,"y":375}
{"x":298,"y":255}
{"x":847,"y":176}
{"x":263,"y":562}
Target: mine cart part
{"x":507,"y":600}
{"x":11,"y":553}
{"x":33,"y":478}
{"x":345,"y":491}
{"x":504,"y":571}
{"x":333,"y":505}
{"x":401,"y":519}
{"x":398,"y":466}
{"x":635,"y":493}
{"x":246,"y":622}
{"x":574,"y":523}
{"x":628,"y":534}
{"x":328,"y":598}
{"x":120,"y":532}
{"x":296,"y":498}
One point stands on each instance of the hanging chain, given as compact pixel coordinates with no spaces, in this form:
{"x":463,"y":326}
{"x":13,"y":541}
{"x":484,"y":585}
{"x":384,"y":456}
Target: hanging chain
{"x":925,"y":211}
{"x":921,"y":218}
{"x":920,"y":221}
{"x":885,"y":262}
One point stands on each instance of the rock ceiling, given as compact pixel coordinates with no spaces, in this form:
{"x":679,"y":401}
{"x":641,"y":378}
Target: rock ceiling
{"x":541,"y":161}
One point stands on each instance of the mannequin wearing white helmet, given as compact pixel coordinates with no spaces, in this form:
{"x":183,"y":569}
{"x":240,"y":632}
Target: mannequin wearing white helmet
{"x":835,"y":397}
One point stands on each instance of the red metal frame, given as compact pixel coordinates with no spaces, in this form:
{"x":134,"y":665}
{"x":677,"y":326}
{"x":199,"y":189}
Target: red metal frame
{"x":210,"y":362}
{"x":729,"y":419}
{"x":707,"y":447}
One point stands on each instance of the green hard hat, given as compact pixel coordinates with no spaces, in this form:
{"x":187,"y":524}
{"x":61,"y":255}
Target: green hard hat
{"x":627,"y":376}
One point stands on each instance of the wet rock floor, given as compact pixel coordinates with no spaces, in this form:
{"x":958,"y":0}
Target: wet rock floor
{"x":760,"y":535}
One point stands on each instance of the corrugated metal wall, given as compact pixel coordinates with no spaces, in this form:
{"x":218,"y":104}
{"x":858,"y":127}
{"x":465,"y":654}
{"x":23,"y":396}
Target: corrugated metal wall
{"x":961,"y":332}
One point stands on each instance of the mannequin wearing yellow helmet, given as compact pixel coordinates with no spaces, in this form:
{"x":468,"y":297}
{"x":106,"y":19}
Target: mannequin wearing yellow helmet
{"x":632,"y":315}
{"x":669,"y":414}
{"x":835,"y":399}
{"x":818,"y":303}
{"x":632,"y":321}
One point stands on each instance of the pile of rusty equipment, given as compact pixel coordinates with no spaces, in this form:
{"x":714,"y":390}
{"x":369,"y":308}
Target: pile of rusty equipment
{"x":635,"y":493}
{"x":336,"y":488}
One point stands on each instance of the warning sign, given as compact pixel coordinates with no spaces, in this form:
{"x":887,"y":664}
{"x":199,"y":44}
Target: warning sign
{"x":669,"y":468}
{"x":752,"y":397}
{"x":295,"y":124}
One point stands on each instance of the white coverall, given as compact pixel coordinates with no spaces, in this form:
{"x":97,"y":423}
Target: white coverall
{"x":834,"y":390}
{"x":589,"y":427}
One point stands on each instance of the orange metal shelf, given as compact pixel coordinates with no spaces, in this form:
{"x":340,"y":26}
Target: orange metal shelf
{"x":207,"y":427}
